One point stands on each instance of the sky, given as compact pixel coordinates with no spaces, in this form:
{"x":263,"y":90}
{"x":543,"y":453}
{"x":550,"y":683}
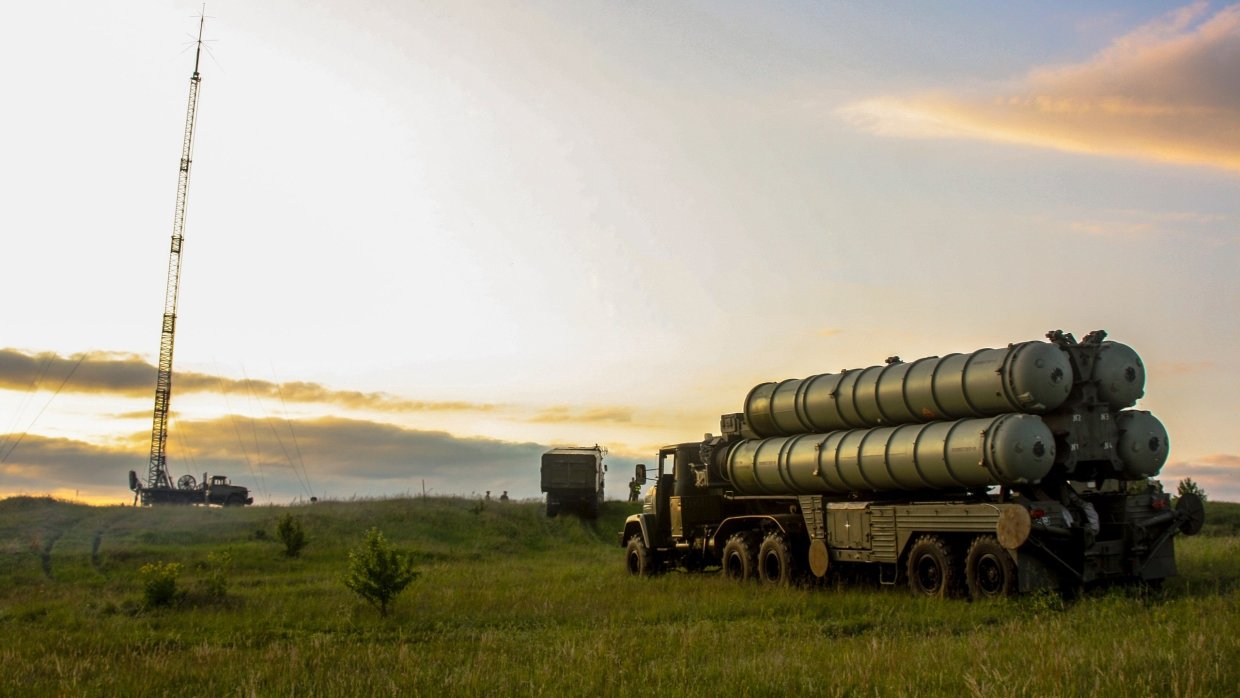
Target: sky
{"x":426,"y":241}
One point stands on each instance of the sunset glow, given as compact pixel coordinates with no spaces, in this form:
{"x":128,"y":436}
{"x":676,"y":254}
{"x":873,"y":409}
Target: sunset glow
{"x":426,"y":242}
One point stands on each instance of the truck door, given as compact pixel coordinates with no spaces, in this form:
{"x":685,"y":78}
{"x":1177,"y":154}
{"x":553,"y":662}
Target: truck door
{"x":663,"y":494}
{"x":848,"y":526}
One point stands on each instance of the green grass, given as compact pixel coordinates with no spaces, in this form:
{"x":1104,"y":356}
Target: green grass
{"x":510,"y":602}
{"x":1222,"y":519}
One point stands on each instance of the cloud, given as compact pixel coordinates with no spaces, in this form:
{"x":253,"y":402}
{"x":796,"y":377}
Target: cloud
{"x":39,"y":463}
{"x":1164,"y":92}
{"x":131,"y":375}
{"x":340,"y":448}
{"x":1182,"y":368}
{"x":339,"y":457}
{"x":1138,"y":223}
{"x":561,"y":414}
{"x":1218,"y":474}
{"x":88,"y":372}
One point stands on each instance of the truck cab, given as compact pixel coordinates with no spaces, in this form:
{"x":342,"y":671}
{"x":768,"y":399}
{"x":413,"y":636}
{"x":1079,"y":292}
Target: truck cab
{"x":221,"y":491}
{"x":691,"y":519}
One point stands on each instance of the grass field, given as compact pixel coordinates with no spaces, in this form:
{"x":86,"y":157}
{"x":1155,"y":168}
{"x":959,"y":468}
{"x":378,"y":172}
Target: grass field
{"x":510,"y":602}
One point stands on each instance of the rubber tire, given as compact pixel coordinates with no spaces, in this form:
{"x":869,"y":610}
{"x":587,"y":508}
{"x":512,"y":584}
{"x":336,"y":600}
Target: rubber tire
{"x":776,"y":565}
{"x":638,"y":559}
{"x":932,"y":570}
{"x":233,"y":500}
{"x":739,"y":560}
{"x":989,"y":570}
{"x":553,"y":508}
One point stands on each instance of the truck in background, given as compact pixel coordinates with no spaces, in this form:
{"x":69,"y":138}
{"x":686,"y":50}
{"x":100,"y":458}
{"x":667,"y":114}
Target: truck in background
{"x":573,"y":479}
{"x":216,"y":489}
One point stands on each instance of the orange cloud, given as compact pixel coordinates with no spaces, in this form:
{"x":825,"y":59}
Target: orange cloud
{"x":1181,"y":368}
{"x":1218,"y":474}
{"x":131,"y":375}
{"x":1164,"y":92}
{"x":1222,"y":460}
{"x":562,"y":414}
{"x":88,"y":372}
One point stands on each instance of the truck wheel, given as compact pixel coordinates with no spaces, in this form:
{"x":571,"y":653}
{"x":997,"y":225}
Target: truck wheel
{"x":233,"y":500}
{"x":931,"y":568}
{"x":552,"y":508}
{"x":638,"y":558}
{"x":740,"y":560}
{"x":775,"y":562}
{"x":989,"y":569}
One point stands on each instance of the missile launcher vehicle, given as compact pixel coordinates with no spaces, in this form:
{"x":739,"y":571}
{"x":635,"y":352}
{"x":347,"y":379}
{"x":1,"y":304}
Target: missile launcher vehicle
{"x":987,"y":474}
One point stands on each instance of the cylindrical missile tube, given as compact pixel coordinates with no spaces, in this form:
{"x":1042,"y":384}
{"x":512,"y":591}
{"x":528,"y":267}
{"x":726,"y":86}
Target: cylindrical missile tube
{"x":1010,"y":449}
{"x":1030,"y":377}
{"x":1119,"y":374}
{"x":1143,"y":444}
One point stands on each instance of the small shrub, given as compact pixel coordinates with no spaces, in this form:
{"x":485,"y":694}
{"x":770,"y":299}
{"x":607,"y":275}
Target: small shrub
{"x":215,"y":584}
{"x":290,"y":533}
{"x":159,"y":583}
{"x":1187,"y":486}
{"x":1043,"y":602}
{"x":378,"y":573}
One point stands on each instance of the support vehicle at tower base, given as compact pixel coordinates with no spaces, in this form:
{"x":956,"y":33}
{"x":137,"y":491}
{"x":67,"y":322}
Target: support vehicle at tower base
{"x":216,"y":489}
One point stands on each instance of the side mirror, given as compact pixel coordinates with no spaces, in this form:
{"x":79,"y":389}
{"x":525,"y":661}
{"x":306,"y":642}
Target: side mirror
{"x":640,"y":474}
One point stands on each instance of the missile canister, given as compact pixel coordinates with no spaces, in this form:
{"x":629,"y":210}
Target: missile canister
{"x":1143,"y":444}
{"x":1030,"y":377}
{"x":1119,"y":374}
{"x":1010,"y":449}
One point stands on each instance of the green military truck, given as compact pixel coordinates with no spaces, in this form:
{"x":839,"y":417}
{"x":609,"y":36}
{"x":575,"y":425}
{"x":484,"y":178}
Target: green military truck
{"x":987,"y":474}
{"x":213,"y":490}
{"x":573,"y":478}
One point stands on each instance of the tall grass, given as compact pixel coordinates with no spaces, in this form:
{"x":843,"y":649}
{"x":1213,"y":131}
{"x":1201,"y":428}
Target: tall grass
{"x":510,"y":602}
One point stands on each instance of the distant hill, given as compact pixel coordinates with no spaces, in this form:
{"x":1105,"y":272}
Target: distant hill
{"x":41,"y":537}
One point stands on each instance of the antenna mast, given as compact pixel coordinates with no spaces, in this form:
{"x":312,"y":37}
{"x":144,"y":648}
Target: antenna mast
{"x":157,"y":473}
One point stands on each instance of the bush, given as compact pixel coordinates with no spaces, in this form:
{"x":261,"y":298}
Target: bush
{"x":1187,"y":486}
{"x":378,"y":573}
{"x":215,"y":585}
{"x":290,"y":533}
{"x":159,"y":583}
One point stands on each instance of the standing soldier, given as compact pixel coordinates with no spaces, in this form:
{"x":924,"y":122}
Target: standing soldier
{"x":634,"y":489}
